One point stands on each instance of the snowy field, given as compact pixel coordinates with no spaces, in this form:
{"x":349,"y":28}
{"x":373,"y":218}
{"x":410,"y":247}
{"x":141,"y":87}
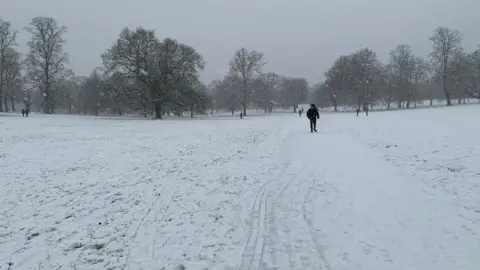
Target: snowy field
{"x":392,"y":191}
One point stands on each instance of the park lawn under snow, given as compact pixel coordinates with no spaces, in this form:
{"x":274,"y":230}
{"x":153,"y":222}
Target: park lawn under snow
{"x":395,"y":190}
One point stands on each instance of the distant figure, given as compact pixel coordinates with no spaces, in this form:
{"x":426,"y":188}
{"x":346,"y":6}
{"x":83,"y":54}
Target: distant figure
{"x":241,"y":115}
{"x":300,"y":113}
{"x":23,"y":112}
{"x":365,"y":108}
{"x":26,"y":112}
{"x":358,"y":111}
{"x":313,"y":115}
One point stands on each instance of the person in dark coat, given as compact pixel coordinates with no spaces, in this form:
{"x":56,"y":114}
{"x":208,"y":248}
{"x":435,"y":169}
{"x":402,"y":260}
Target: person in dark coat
{"x":313,"y":115}
{"x":23,"y":112}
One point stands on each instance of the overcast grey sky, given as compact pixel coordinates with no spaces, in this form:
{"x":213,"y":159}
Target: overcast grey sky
{"x":299,"y":38}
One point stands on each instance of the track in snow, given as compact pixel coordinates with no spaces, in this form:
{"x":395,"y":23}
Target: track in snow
{"x":260,"y":193}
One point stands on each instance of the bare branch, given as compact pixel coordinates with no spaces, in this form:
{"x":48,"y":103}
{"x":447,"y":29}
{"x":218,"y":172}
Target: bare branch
{"x":46,"y":59}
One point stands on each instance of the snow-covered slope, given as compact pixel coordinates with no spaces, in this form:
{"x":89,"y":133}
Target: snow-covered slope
{"x":395,"y":190}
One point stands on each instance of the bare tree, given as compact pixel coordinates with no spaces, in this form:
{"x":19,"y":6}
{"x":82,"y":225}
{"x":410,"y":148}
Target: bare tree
{"x":94,"y":95}
{"x":245,"y":64}
{"x":473,"y":84}
{"x":402,"y":61}
{"x":390,"y":82}
{"x":365,"y":69}
{"x":69,"y":92}
{"x":339,"y":81}
{"x":46,"y":59}
{"x":295,"y":91}
{"x":458,"y":73}
{"x":446,"y":43}
{"x":265,"y":89}
{"x":173,"y":66}
{"x":7,"y":40}
{"x":420,"y":76}
{"x":12,"y":77}
{"x":194,"y":98}
{"x":127,"y":61}
{"x":227,"y":93}
{"x":322,"y":96}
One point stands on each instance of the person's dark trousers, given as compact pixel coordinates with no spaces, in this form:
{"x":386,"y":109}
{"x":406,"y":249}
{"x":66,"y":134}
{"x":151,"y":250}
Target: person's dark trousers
{"x":313,"y":125}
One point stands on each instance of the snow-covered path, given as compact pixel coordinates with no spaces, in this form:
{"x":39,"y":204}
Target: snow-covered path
{"x":261,"y":193}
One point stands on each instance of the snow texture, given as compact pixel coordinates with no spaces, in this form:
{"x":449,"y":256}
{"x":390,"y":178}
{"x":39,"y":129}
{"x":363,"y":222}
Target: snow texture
{"x":392,"y":191}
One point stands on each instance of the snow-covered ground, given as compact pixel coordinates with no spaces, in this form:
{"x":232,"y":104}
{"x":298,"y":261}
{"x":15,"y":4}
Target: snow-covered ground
{"x":392,"y":191}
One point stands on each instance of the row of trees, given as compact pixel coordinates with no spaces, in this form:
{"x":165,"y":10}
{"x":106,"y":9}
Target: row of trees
{"x":265,"y":90}
{"x":142,"y":73}
{"x":360,"y":79}
{"x":139,"y":72}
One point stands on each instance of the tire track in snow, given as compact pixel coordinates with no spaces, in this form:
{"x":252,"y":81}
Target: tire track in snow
{"x":308,"y":219}
{"x":285,"y":177}
{"x":138,"y":243}
{"x":250,"y":253}
{"x":301,"y":246}
{"x":255,"y":247}
{"x":285,"y":229}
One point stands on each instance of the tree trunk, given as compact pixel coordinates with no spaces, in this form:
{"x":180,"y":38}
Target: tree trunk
{"x":233,"y":112}
{"x":244,"y":98}
{"x":191,"y":111}
{"x":158,"y":110}
{"x":447,"y":95}
{"x":12,"y":102}
{"x":294,"y":108}
{"x":431,"y":102}
{"x":2,"y":57}
{"x":5,"y":101}
{"x":409,"y":94}
{"x":388,"y":105}
{"x":266,"y":110}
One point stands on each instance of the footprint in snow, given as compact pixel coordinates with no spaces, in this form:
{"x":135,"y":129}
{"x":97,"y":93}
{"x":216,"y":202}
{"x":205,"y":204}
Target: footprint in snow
{"x":33,"y":235}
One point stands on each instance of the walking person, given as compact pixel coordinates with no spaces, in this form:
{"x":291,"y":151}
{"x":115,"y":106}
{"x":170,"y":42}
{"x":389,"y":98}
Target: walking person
{"x":23,"y":112}
{"x":313,"y":115}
